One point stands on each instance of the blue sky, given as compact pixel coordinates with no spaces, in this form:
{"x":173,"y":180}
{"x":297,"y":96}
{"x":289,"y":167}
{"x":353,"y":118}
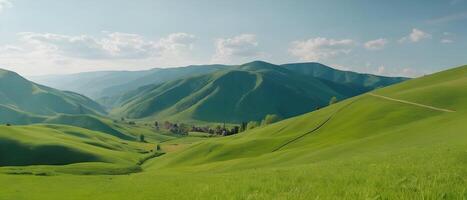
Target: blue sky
{"x":408,"y":38}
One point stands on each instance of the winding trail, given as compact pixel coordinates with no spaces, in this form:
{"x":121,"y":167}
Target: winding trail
{"x":371,"y":94}
{"x":316,"y":128}
{"x":411,"y":103}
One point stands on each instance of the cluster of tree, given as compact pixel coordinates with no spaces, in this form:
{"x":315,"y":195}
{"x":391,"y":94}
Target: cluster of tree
{"x":124,"y":121}
{"x":183,"y":129}
{"x":176,"y":128}
{"x":218,"y":130}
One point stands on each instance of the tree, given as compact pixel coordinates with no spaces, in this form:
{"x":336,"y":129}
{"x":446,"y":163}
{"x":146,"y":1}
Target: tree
{"x":156,"y":124}
{"x":269,"y":119}
{"x":243,"y":126}
{"x":158,"y":147}
{"x":141,"y":138}
{"x":252,"y":125}
{"x":333,"y":100}
{"x":234,"y":130}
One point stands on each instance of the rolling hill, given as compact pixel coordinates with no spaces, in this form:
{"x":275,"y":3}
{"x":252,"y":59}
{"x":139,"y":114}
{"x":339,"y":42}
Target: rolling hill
{"x":60,"y":146}
{"x":105,"y":84}
{"x":406,"y":141}
{"x":22,"y":101}
{"x":242,"y":93}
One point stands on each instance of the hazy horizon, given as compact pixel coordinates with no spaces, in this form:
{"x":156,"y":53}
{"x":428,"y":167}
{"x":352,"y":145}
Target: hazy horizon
{"x":49,"y":37}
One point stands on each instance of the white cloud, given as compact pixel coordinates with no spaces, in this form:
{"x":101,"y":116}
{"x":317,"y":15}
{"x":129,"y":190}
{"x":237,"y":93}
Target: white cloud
{"x":112,"y":46}
{"x":446,"y":41}
{"x":5,"y":4}
{"x":416,"y":35}
{"x":403,"y":72}
{"x":377,"y":44}
{"x":236,"y":49}
{"x":410,"y":72}
{"x":38,"y":53}
{"x":320,"y":48}
{"x":381,"y":70}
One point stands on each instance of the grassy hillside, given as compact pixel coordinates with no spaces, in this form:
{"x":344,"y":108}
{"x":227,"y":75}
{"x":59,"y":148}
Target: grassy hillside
{"x":354,"y":119}
{"x":63,"y":145}
{"x":24,"y":100}
{"x":244,"y":93}
{"x":115,"y":128}
{"x":406,"y":141}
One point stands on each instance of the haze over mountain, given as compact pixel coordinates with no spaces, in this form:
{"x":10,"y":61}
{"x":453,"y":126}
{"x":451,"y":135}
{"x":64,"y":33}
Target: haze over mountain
{"x":22,"y":101}
{"x":110,"y":83}
{"x":108,"y":86}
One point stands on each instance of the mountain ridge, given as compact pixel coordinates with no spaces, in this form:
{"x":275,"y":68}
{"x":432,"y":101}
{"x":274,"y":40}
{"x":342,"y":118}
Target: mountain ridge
{"x":235,"y":94}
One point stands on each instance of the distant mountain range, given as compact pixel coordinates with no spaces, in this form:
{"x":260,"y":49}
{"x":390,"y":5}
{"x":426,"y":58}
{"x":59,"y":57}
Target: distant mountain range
{"x":247,"y":92}
{"x":207,"y":93}
{"x":110,"y":83}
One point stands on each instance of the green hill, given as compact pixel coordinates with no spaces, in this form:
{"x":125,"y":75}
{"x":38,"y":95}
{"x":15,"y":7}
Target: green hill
{"x":390,"y":114}
{"x":115,"y":128}
{"x":243,"y":93}
{"x":104,"y":85}
{"x":22,"y":101}
{"x":405,"y":141}
{"x":62,"y":145}
{"x":408,"y":139}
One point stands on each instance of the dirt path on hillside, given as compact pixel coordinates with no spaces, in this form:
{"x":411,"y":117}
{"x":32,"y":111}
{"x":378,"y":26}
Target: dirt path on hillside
{"x":316,"y":128}
{"x":411,"y":103}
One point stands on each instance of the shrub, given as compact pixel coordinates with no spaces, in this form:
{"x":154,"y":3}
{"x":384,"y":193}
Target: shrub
{"x":333,"y":100}
{"x":252,"y":125}
{"x":269,"y":119}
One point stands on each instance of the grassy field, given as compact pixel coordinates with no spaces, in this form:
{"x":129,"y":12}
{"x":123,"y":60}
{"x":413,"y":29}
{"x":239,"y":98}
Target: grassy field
{"x":365,"y":147}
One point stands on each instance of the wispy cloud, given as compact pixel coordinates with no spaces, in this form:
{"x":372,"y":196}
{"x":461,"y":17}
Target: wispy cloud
{"x":449,"y":18}
{"x":5,"y":4}
{"x":377,"y":44}
{"x":320,"y":48}
{"x":416,"y":35}
{"x":446,"y":41}
{"x":404,"y":72}
{"x":236,"y":49}
{"x":39,"y":52}
{"x":112,"y":46}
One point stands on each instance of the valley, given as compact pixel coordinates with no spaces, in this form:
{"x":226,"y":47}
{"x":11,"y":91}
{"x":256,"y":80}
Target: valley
{"x":392,"y":139}
{"x":233,"y":100}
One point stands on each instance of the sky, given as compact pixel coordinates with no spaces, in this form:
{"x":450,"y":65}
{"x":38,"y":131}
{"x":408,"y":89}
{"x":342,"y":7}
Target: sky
{"x":393,"y":38}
